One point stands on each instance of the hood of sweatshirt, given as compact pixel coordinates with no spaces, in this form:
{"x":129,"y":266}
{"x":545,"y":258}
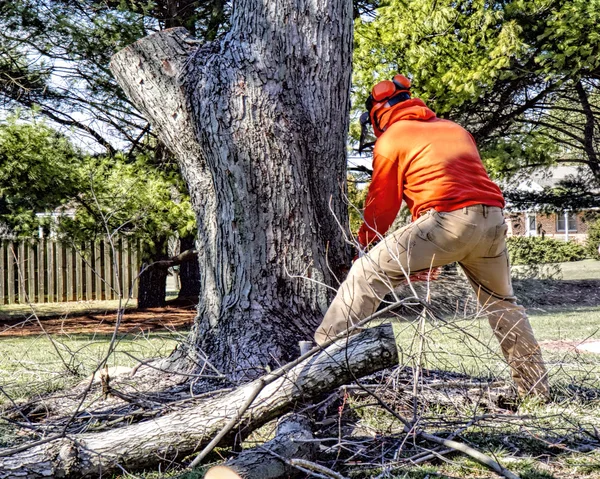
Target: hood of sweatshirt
{"x":413,"y":109}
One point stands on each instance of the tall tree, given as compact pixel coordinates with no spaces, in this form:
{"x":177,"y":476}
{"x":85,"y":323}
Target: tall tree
{"x":55,"y":53}
{"x":258,"y":123}
{"x":136,"y":199}
{"x":54,"y":58}
{"x":521,"y":76}
{"x":40,"y":170}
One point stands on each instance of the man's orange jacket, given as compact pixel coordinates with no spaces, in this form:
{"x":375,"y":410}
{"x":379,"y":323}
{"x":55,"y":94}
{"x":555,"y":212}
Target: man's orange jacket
{"x":428,"y":162}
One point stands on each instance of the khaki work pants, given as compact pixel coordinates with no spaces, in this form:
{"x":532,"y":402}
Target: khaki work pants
{"x":474,"y":237}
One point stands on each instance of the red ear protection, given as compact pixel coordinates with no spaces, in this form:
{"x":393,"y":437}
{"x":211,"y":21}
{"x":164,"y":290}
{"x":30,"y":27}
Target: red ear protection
{"x":383,"y":95}
{"x":383,"y":90}
{"x":386,"y":94}
{"x":401,"y":82}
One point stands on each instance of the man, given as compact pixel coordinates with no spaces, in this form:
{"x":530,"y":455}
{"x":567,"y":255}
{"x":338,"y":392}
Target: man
{"x":434,"y":166}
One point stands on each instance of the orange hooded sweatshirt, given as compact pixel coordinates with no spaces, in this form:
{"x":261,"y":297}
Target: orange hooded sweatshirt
{"x":428,"y":162}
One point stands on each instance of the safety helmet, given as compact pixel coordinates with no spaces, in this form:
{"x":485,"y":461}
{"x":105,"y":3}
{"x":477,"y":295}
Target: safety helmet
{"x":384,"y":94}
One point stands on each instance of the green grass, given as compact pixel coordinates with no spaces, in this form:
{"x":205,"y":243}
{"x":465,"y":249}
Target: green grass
{"x":586,"y":269}
{"x":566,"y":324}
{"x":32,"y":365}
{"x":469,"y":346}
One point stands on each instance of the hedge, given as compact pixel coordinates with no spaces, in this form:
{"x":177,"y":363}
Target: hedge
{"x":537,"y":250}
{"x":593,"y":239}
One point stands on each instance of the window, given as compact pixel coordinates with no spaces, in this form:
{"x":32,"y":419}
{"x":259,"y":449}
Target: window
{"x":560,"y":222}
{"x":530,"y":225}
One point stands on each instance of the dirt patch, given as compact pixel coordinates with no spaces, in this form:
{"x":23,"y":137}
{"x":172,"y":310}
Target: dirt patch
{"x":134,"y":321}
{"x":545,"y":292}
{"x":588,"y":346}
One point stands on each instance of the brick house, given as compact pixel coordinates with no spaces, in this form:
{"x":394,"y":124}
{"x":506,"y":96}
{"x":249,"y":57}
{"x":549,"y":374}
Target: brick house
{"x":548,"y":225}
{"x":565,"y":225}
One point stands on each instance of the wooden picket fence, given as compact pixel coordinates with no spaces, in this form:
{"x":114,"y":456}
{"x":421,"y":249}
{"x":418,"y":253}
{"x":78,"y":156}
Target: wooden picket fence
{"x":48,"y":271}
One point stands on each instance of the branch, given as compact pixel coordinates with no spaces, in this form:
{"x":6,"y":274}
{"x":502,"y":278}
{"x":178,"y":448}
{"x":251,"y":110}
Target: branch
{"x":174,"y":436}
{"x":469,"y":451}
{"x":184,"y":257}
{"x":294,"y":439}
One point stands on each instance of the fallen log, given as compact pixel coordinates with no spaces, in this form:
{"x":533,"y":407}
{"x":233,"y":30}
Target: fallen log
{"x":172,"y":437}
{"x":269,"y":461}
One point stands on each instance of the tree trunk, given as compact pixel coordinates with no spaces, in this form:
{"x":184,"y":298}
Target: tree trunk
{"x":258,"y":123}
{"x":189,"y":271}
{"x":293,"y":440}
{"x":168,"y":438}
{"x":153,"y":281}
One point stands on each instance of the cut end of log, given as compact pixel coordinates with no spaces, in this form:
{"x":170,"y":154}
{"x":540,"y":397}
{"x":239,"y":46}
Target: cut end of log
{"x":221,"y":472}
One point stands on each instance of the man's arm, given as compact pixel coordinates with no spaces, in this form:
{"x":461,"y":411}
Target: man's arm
{"x":383,"y":200}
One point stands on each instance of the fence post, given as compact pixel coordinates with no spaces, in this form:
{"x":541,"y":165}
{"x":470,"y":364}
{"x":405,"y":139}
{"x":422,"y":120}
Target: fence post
{"x":31,"y":272}
{"x":117,"y":268}
{"x":60,"y":272}
{"x":41,"y":269}
{"x":10,"y":260}
{"x":70,"y":293}
{"x":135,"y":267}
{"x":21,"y":272}
{"x":2,"y":272}
{"x":89,"y":274}
{"x":107,"y":270}
{"x":79,"y":278}
{"x":50,"y":271}
{"x":126,"y":269}
{"x":98,"y":270}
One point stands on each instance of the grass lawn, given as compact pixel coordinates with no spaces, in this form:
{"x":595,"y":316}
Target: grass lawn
{"x":468,"y":346}
{"x":586,"y":269}
{"x":32,"y":365}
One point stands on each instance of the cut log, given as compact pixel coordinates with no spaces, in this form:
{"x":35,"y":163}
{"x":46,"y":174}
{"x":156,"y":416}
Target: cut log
{"x":269,"y":460}
{"x":172,"y":437}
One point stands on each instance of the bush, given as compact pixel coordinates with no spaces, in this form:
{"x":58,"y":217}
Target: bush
{"x":593,"y":239}
{"x":537,"y":250}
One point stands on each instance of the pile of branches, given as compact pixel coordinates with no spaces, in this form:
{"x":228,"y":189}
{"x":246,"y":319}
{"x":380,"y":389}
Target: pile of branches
{"x":359,"y":407}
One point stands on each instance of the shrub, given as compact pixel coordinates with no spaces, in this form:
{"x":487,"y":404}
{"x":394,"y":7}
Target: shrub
{"x":536,"y":250}
{"x":593,"y":239}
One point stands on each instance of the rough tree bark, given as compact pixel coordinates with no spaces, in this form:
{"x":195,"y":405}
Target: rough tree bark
{"x":258,"y":123}
{"x":293,"y":440}
{"x":171,"y":437}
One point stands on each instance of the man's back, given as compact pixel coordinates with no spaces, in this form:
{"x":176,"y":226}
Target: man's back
{"x":438,"y":165}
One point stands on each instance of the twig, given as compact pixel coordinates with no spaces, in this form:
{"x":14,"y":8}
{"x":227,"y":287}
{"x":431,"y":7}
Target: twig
{"x":258,"y":387}
{"x":469,"y":451}
{"x":428,"y":456}
{"x":262,"y":382}
{"x":24,"y":447}
{"x":457,"y":446}
{"x":312,"y":467}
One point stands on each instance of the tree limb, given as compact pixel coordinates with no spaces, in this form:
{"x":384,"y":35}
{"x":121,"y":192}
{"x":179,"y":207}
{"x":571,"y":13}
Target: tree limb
{"x":188,"y":255}
{"x":174,"y":436}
